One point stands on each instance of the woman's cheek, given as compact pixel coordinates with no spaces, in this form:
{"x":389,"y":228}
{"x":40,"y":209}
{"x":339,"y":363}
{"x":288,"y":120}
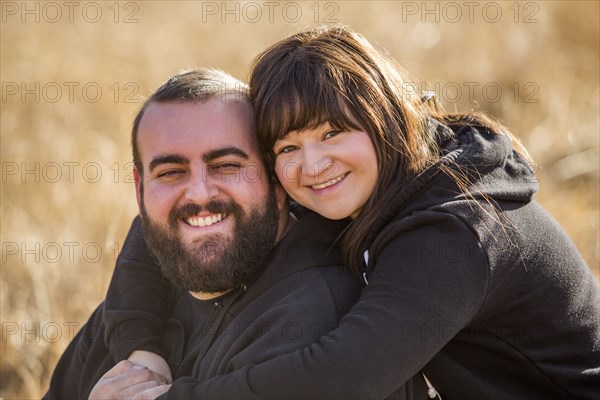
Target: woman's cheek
{"x":288,"y":173}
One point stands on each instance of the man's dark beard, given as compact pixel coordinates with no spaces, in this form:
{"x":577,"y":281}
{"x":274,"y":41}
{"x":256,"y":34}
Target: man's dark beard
{"x":214,"y":263}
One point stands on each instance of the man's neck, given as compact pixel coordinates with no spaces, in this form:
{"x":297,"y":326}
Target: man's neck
{"x":208,"y":296}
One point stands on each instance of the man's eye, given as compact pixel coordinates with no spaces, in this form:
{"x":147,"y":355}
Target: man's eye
{"x":225,"y":167}
{"x":169,"y":173}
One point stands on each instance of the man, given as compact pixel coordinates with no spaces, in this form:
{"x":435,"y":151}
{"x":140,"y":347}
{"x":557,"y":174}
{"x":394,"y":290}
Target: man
{"x":257,"y":282}
{"x":211,"y":215}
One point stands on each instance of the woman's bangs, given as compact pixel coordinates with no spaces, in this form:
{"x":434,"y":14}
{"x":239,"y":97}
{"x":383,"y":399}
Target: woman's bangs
{"x":306,"y":100}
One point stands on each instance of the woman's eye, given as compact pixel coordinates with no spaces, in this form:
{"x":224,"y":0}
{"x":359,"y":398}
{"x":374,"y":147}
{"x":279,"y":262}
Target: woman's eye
{"x":286,"y":149}
{"x":331,"y":134}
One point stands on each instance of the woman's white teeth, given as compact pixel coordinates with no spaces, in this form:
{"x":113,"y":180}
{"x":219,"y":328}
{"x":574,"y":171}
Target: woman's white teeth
{"x":205,"y":221}
{"x":331,"y":182}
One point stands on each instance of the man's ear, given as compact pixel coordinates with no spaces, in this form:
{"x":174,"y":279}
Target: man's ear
{"x":138,"y":183}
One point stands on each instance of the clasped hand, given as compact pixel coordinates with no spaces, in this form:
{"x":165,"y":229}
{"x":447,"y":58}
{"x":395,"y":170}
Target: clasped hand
{"x":127,"y":380}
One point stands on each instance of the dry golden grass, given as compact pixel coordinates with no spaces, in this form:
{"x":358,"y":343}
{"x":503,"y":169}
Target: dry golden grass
{"x":48,"y":291}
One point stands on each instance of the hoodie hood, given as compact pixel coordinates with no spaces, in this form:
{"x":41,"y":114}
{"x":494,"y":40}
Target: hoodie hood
{"x":485,"y":163}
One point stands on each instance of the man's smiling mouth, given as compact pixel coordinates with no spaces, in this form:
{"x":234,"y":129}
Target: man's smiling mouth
{"x":205,"y":221}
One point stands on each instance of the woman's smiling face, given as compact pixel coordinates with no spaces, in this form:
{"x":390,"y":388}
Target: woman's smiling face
{"x":332,"y":172}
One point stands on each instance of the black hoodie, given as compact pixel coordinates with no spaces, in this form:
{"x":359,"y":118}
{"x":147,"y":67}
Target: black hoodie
{"x":480,"y":287}
{"x":299,"y":297}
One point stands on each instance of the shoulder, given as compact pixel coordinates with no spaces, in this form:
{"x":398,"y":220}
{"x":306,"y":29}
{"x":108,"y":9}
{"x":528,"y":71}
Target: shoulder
{"x":433,"y":251}
{"x":305,"y":276}
{"x":446,"y":228}
{"x":324,"y":292}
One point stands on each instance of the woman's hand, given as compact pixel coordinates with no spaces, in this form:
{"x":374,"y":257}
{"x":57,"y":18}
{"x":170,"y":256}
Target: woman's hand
{"x":127,"y":381}
{"x":152,"y":361}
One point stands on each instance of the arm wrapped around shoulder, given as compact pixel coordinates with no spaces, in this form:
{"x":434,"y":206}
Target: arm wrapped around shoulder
{"x":137,"y":301}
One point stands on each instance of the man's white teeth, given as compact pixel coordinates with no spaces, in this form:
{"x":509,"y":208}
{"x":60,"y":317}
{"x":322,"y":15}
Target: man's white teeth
{"x":206,"y":221}
{"x":331,"y":182}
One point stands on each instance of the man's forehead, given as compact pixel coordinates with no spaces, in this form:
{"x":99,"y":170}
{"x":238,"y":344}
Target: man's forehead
{"x":205,"y":126}
{"x":211,"y":110}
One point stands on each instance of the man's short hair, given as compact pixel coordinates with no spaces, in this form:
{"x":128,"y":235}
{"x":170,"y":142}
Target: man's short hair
{"x":198,"y":85}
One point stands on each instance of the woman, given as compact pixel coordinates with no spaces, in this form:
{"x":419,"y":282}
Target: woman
{"x":466,"y":276}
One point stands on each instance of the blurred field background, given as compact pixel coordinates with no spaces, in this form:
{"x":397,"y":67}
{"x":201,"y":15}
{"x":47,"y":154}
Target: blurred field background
{"x":73,"y":76}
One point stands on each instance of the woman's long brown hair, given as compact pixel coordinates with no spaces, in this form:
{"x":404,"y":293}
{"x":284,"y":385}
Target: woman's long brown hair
{"x":334,"y":75}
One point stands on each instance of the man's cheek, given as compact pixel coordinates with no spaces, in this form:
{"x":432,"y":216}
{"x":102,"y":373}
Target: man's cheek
{"x":157,"y":203}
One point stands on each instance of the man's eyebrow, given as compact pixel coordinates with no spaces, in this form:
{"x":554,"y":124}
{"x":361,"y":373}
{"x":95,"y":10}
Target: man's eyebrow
{"x":167,"y":159}
{"x":225,"y":151}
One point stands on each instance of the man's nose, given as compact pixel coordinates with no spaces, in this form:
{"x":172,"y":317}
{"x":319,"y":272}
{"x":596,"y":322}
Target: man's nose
{"x":201,"y":188}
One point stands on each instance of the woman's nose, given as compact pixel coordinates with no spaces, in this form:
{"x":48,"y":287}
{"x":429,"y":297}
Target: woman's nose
{"x":315,"y":161}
